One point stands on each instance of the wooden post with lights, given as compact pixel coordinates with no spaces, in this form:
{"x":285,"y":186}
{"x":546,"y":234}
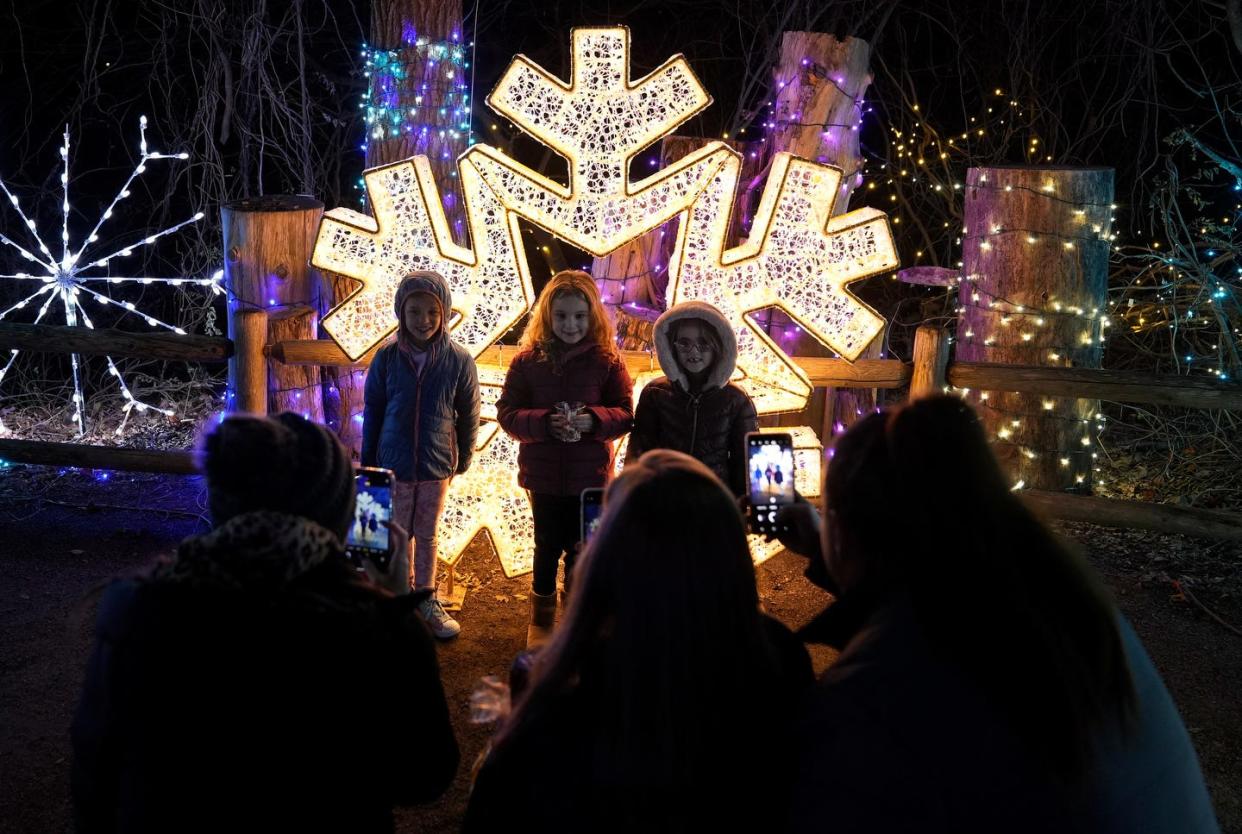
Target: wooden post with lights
{"x":931,"y":359}
{"x":1034,"y":279}
{"x":267,"y":247}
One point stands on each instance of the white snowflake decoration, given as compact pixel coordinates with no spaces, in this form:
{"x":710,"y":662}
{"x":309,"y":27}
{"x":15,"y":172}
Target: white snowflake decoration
{"x":68,"y":279}
{"x":798,"y":258}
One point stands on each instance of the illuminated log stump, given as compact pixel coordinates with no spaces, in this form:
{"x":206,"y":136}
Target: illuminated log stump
{"x":292,"y":388}
{"x":267,"y":248}
{"x":1033,"y":292}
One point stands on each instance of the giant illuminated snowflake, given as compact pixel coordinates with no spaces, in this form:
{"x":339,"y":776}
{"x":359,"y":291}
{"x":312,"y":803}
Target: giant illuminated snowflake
{"x":797,"y":257}
{"x":75,"y":276}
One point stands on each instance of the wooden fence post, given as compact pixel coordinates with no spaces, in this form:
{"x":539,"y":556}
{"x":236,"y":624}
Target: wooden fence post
{"x":1033,"y":291}
{"x":267,"y":248}
{"x":248,"y":367}
{"x":931,"y":358}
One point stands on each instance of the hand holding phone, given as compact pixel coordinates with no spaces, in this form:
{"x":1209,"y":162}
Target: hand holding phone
{"x":395,"y":574}
{"x":770,"y":480}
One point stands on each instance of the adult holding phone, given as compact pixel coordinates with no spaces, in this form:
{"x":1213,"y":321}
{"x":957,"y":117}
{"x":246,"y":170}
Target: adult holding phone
{"x":987,"y":682}
{"x":255,"y":681}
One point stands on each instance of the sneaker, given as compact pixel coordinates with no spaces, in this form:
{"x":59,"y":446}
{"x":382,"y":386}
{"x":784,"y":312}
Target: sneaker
{"x":438,"y":620}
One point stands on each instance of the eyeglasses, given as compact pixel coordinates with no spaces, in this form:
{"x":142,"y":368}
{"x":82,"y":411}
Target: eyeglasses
{"x":687,"y":345}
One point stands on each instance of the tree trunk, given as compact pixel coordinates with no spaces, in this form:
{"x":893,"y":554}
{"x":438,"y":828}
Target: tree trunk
{"x":267,"y":246}
{"x":819,"y":82}
{"x":418,"y":97}
{"x":1035,"y":277}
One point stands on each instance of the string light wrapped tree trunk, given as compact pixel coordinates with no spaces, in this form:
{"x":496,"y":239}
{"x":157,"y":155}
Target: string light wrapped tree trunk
{"x":267,"y":248}
{"x":417,"y":102}
{"x":1033,"y":292}
{"x":816,"y":114}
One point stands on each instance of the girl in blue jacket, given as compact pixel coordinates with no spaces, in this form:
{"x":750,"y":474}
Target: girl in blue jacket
{"x":420,"y":419}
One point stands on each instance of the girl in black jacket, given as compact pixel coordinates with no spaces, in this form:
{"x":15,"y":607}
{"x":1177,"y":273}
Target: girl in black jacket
{"x":694,"y":408}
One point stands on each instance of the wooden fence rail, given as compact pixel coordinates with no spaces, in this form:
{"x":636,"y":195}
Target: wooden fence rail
{"x":865,"y":373}
{"x":1090,"y":383}
{"x":173,"y":462}
{"x":119,"y":344}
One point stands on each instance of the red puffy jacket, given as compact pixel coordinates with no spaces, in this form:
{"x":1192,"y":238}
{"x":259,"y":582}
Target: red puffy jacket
{"x":545,"y":464}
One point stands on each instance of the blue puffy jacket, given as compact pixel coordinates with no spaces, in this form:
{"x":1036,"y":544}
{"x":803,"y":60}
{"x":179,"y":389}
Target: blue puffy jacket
{"x":422,"y":427}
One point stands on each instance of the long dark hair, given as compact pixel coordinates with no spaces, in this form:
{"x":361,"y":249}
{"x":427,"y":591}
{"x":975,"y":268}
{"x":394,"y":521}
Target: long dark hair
{"x":663,"y":630}
{"x":996,"y":592}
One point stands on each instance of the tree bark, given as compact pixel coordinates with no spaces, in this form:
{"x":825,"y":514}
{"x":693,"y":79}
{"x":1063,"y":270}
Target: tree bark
{"x":294,"y":388}
{"x":426,"y":87}
{"x":819,"y":85}
{"x":1033,"y":292}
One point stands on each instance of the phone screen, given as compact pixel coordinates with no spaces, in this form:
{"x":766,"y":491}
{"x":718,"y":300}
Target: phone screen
{"x":373,"y":506}
{"x":770,"y":476}
{"x":592,"y":509}
{"x":770,"y":465}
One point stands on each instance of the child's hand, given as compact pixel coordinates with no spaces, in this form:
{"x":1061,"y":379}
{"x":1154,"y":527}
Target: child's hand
{"x":397,"y":577}
{"x":584,"y":421}
{"x":561,"y":428}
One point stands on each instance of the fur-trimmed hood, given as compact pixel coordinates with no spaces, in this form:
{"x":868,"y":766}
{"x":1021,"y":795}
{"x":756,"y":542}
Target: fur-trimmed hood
{"x":722,"y":370}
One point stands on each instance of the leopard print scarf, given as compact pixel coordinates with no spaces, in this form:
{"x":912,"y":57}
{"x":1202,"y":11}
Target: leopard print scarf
{"x":252,"y":552}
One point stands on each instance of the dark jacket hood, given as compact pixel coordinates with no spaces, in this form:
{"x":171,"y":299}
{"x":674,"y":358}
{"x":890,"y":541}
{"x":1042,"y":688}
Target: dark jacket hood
{"x":723,"y":368}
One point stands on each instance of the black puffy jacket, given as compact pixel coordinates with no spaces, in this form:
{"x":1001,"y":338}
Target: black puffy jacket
{"x":711,"y":425}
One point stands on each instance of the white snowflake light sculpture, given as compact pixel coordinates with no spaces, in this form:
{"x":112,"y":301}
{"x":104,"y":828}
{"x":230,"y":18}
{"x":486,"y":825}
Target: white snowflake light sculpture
{"x":490,"y":283}
{"x":73,"y":277}
{"x":797,"y":258}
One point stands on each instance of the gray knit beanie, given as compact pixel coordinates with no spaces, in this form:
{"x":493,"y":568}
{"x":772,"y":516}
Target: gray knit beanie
{"x":284,"y":464}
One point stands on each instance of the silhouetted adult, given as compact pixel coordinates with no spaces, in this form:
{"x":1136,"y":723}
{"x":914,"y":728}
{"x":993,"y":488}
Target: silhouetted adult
{"x":255,"y":682}
{"x":659,"y":704}
{"x":987,"y":682}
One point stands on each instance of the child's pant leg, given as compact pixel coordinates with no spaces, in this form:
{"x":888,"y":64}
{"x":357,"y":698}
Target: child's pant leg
{"x":556,"y":532}
{"x":403,"y":494}
{"x":428,"y":504}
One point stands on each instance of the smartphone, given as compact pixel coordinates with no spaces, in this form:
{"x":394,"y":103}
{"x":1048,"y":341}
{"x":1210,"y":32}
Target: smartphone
{"x":592,"y":509}
{"x":770,"y":478}
{"x":368,"y":536}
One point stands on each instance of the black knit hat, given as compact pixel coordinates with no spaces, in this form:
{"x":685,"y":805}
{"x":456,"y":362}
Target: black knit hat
{"x":285,"y":464}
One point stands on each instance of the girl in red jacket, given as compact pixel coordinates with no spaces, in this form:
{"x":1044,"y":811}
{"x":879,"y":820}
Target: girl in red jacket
{"x":567,"y":357}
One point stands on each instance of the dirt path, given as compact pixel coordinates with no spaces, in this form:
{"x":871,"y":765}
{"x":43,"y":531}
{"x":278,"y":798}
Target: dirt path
{"x":54,"y":555}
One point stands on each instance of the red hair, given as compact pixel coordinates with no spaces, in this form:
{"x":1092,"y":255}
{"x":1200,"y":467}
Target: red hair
{"x":538,"y":335}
